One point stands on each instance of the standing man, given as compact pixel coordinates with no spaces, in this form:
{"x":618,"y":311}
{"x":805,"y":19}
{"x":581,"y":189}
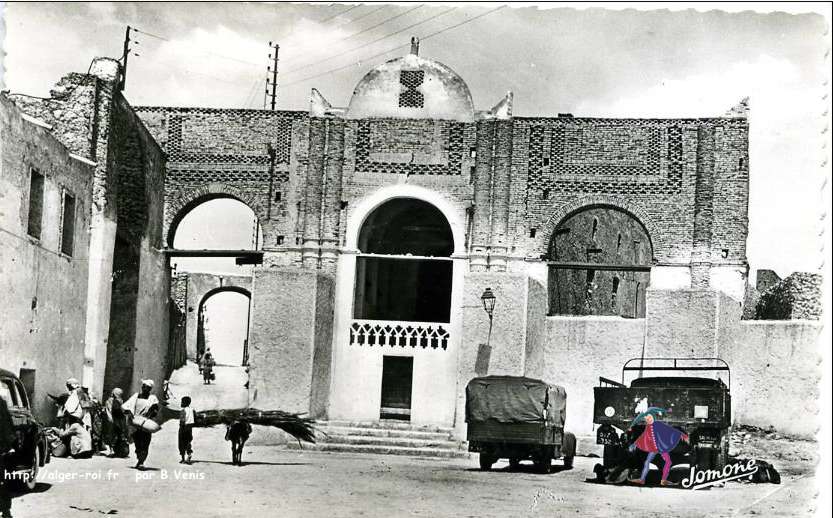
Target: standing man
{"x":142,"y":404}
{"x":7,"y":442}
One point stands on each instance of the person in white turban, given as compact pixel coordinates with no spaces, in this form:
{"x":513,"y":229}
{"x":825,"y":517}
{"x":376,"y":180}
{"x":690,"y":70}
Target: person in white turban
{"x":142,"y":404}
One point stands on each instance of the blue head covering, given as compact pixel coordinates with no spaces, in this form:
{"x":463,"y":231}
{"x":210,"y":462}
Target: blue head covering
{"x":654,"y":411}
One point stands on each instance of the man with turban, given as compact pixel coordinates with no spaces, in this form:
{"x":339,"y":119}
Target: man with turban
{"x":142,"y":404}
{"x":657,"y":437}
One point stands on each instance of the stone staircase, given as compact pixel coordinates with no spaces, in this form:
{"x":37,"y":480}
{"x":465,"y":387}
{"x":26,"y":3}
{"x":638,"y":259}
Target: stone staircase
{"x":387,"y":437}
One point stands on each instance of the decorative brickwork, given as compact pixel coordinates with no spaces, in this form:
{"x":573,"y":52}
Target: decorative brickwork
{"x":417,"y":140}
{"x":605,"y":156}
{"x":215,"y":152}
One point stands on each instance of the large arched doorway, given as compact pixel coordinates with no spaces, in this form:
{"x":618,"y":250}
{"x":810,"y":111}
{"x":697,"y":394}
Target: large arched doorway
{"x":403,"y":271}
{"x":215,"y":223}
{"x":402,"y":296}
{"x":599,"y":264}
{"x":397,"y":320}
{"x":217,"y":305}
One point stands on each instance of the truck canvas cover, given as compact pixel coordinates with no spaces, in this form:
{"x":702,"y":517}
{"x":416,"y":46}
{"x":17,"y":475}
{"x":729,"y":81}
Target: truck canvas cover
{"x":512,"y":399}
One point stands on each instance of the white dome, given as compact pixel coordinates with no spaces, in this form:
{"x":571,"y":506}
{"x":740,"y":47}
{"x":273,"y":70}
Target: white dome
{"x":411,"y":87}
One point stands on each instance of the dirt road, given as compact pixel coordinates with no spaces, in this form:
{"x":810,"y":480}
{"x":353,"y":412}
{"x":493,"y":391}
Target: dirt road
{"x":283,"y":483}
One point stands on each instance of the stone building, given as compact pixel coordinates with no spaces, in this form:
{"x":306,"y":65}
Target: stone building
{"x":384,"y":221}
{"x":45,"y":205}
{"x":100,"y":312}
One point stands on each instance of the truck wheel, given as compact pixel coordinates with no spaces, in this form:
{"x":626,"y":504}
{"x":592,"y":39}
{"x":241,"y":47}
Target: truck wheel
{"x":543,"y":461}
{"x":721,"y":454}
{"x":29,"y":483}
{"x":568,"y":449}
{"x":611,"y":455}
{"x":486,"y":461}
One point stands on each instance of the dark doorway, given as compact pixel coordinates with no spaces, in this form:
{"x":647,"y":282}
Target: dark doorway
{"x":397,"y":382}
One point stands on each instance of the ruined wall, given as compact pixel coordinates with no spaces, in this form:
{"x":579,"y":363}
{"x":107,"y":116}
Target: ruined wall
{"x":139,"y":326}
{"x":798,"y":297}
{"x":43,"y":291}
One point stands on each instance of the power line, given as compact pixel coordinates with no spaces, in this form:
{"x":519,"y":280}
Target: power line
{"x":377,"y":40}
{"x":203,"y":52}
{"x":339,"y":14}
{"x":393,"y":48}
{"x":362,"y":17}
{"x":386,"y":20}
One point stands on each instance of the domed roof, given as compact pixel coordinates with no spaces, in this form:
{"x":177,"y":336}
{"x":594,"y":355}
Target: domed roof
{"x":411,"y":87}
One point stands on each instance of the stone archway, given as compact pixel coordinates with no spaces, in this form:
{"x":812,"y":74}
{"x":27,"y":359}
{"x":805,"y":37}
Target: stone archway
{"x":200,"y":286}
{"x":179,"y":201}
{"x":600,"y":258}
{"x":429,"y":348}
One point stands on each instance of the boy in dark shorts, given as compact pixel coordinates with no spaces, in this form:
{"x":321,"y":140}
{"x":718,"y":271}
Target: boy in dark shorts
{"x":186,"y":433}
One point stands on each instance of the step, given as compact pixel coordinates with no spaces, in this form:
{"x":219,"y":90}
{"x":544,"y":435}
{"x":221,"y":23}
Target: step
{"x":387,"y":424}
{"x":444,"y":444}
{"x":341,"y":431}
{"x":382,"y":450}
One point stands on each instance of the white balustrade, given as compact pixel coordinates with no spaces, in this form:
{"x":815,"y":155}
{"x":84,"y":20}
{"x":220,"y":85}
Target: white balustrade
{"x":397,"y":333}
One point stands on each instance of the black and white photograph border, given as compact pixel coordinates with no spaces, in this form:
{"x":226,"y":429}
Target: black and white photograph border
{"x":415,"y":259}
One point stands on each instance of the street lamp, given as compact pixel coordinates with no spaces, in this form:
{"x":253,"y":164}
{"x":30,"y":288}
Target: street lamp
{"x":488,"y":299}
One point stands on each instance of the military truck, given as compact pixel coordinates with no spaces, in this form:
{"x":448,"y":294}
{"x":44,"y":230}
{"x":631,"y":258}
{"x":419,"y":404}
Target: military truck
{"x":699,"y":406}
{"x":518,"y":418}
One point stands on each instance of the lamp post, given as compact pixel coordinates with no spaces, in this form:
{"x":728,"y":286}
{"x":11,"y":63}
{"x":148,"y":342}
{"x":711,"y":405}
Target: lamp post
{"x":488,"y":299}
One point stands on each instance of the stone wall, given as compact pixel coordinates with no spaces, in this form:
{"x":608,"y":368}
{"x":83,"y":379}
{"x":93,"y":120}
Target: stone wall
{"x":776,"y":374}
{"x":43,"y":291}
{"x":576,"y":351}
{"x":289,"y":339}
{"x":797,"y":297}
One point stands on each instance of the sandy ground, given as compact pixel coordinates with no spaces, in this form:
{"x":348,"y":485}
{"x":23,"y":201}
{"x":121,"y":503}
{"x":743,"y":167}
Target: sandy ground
{"x":285,"y":483}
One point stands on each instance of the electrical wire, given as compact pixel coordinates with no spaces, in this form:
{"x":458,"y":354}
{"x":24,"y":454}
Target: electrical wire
{"x":431,"y":35}
{"x":203,"y":52}
{"x":377,"y":40}
{"x":341,"y":13}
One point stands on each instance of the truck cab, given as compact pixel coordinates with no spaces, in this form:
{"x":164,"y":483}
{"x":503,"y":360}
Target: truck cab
{"x":699,"y":406}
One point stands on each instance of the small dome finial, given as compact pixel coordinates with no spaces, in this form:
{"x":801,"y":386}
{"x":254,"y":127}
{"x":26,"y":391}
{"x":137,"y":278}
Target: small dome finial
{"x":414,"y":45}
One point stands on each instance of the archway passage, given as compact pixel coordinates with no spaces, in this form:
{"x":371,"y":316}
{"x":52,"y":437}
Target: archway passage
{"x":224,"y":325}
{"x":404,"y":269}
{"x":215,"y":223}
{"x":599,"y":264}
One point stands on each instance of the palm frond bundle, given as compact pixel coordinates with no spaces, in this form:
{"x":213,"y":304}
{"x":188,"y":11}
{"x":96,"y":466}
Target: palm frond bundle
{"x":295,"y":425}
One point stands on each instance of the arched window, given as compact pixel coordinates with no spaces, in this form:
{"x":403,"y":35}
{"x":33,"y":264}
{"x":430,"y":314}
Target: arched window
{"x":600,"y":262}
{"x":404,"y":270}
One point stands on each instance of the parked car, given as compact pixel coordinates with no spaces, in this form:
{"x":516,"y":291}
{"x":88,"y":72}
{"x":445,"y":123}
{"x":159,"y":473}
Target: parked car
{"x":31,"y":451}
{"x":698,"y":406}
{"x":518,"y":418}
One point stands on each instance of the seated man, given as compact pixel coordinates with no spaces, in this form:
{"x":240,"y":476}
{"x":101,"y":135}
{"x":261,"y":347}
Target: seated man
{"x":80,"y":440}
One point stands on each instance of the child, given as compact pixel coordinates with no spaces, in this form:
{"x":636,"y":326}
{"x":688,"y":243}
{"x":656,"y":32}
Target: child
{"x":186,"y":426}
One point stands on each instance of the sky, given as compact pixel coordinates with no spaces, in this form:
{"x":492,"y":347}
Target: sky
{"x":589,"y":61}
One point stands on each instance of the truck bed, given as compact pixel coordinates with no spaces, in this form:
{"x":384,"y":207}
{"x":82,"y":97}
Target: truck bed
{"x":518,"y":433}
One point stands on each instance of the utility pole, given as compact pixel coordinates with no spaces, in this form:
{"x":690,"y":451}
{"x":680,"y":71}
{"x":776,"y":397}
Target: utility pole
{"x":273,"y":83}
{"x":124,"y":54}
